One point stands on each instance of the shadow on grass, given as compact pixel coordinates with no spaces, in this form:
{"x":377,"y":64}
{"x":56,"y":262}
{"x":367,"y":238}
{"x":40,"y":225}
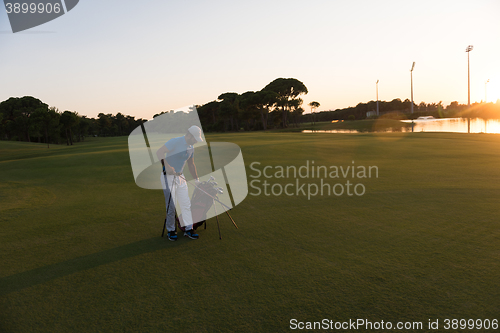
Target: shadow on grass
{"x":36,"y":276}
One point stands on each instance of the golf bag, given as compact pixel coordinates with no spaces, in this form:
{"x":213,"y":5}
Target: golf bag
{"x":200,"y":204}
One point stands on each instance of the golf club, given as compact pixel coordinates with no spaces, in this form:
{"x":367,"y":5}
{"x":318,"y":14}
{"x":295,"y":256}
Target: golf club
{"x":169,"y":196}
{"x":217,"y":217}
{"x":211,"y":177}
{"x":168,"y":204}
{"x":224,"y":205}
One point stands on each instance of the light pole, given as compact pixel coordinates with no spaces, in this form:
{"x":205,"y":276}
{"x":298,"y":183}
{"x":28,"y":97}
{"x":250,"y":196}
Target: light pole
{"x":485,"y":91}
{"x":468,"y":49}
{"x":377,"y":97}
{"x":411,"y":75}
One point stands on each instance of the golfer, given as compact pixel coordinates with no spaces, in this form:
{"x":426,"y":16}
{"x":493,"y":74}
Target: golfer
{"x":179,"y":151}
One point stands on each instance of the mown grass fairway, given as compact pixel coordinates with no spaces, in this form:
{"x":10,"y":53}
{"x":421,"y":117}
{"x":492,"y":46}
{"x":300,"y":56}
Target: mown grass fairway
{"x":365,"y":125}
{"x":80,"y":245}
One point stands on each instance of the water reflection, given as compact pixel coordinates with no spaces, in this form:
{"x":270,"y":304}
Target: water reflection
{"x":455,"y":125}
{"x":331,"y":131}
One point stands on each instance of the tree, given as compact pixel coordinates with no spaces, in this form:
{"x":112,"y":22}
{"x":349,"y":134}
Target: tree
{"x":47,"y":119}
{"x":7,"y":109}
{"x":453,"y":106}
{"x":1,"y":125}
{"x":297,"y":112}
{"x":267,"y":100}
{"x":27,"y":117}
{"x":121,"y":123}
{"x":287,"y":90}
{"x":208,"y":114}
{"x":104,"y":124}
{"x":249,"y":107}
{"x":68,"y":120}
{"x":229,"y":108}
{"x":422,"y":107}
{"x":17,"y":114}
{"x":83,"y":127}
{"x":396,"y":105}
{"x":314,"y":105}
{"x":132,"y":124}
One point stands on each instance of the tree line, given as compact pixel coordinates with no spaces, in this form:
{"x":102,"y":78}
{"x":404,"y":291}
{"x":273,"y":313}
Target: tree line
{"x":29,"y":119}
{"x":277,"y":105}
{"x":398,"y":109}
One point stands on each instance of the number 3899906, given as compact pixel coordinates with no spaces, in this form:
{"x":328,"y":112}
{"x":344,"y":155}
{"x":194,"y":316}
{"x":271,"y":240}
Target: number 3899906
{"x":32,"y":8}
{"x":478,"y":324}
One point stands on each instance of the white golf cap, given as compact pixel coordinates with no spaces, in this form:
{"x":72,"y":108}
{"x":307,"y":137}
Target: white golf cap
{"x":195,"y":132}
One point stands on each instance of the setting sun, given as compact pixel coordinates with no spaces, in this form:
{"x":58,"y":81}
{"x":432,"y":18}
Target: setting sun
{"x":492,"y":90}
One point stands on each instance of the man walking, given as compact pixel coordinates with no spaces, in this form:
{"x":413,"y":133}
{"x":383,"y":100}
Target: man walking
{"x":179,"y":151}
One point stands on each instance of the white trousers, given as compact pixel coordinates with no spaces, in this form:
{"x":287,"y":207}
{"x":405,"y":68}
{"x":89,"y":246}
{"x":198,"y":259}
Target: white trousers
{"x":177,"y":192}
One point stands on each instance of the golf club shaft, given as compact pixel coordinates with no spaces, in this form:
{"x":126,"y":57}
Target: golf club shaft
{"x":169,"y":197}
{"x":234,"y":223}
{"x":217,"y":217}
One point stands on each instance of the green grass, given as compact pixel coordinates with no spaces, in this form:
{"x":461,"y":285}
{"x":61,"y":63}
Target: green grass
{"x":365,"y":125}
{"x":80,"y":245}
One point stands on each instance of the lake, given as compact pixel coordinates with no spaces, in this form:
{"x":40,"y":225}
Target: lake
{"x":456,"y":125}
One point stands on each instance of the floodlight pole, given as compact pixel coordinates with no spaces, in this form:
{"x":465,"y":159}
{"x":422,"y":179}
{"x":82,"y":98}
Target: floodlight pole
{"x":468,"y":49}
{"x":411,"y":75}
{"x":377,"y":97}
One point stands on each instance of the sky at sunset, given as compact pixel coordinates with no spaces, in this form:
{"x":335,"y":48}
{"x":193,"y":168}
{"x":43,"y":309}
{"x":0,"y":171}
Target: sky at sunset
{"x":143,"y":57}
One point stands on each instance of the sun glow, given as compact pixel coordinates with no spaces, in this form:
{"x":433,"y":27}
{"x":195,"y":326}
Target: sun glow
{"x":492,"y":90}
